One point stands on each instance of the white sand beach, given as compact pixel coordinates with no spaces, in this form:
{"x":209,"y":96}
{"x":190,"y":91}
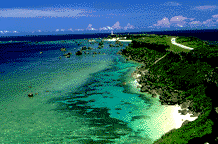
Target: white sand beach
{"x":117,"y":39}
{"x":170,"y":116}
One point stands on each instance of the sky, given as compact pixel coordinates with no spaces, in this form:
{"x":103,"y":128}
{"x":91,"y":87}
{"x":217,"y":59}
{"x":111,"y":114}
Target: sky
{"x":53,"y":16}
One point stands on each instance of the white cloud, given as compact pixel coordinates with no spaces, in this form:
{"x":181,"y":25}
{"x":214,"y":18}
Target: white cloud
{"x":176,"y":21}
{"x":171,"y":4}
{"x":41,"y":13}
{"x":117,"y":25}
{"x":128,"y":27}
{"x":215,"y":16}
{"x":90,"y":27}
{"x":195,"y":22}
{"x":206,"y":7}
{"x":163,"y":23}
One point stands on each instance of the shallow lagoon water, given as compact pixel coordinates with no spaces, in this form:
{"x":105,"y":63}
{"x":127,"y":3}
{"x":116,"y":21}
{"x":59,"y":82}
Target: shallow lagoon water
{"x":80,"y":99}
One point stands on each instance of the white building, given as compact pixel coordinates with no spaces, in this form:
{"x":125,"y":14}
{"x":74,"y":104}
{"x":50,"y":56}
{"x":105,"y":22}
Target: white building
{"x":112,"y":33}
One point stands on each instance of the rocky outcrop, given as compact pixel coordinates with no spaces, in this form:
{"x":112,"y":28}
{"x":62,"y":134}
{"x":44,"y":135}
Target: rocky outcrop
{"x":185,"y":122}
{"x":30,"y":95}
{"x":89,"y":48}
{"x":84,"y":48}
{"x":111,"y":45}
{"x":63,"y":49}
{"x":79,"y":53}
{"x":67,"y":55}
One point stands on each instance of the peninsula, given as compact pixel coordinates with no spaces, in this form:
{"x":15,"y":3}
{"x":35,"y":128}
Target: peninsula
{"x":182,"y":76}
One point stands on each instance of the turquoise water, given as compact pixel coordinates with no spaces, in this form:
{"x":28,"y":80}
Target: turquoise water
{"x":76,"y":100}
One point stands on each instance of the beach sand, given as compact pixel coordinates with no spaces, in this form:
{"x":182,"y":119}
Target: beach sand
{"x":117,"y":39}
{"x":170,"y":116}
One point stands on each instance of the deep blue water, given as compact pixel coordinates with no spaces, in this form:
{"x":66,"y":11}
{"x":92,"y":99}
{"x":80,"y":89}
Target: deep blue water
{"x":80,"y":99}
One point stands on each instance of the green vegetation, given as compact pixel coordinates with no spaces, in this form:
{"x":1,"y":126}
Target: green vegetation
{"x":194,"y":42}
{"x":190,"y":71}
{"x":198,"y":128}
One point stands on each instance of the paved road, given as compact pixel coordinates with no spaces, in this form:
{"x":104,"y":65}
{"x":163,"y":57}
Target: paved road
{"x":185,"y":47}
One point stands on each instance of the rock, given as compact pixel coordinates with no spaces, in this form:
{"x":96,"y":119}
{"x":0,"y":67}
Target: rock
{"x":68,"y":56}
{"x":154,"y":95}
{"x":111,"y":45}
{"x":185,"y":105}
{"x":124,"y":83}
{"x":87,"y":53}
{"x":94,"y":52}
{"x":41,"y":52}
{"x":84,"y":48}
{"x":79,"y":53}
{"x":119,"y":52}
{"x":216,"y":109}
{"x":144,"y":89}
{"x":30,"y":95}
{"x":183,"y":112}
{"x":185,"y":122}
{"x":99,"y":47}
{"x":195,"y":114}
{"x":63,"y":49}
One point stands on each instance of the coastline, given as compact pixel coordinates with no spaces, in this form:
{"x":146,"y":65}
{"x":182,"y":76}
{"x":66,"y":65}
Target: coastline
{"x":175,"y":113}
{"x":117,"y":39}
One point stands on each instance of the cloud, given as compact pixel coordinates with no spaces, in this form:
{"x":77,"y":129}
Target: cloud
{"x":54,"y":12}
{"x":128,"y":27}
{"x":176,"y":21}
{"x":195,"y":24}
{"x":171,"y":4}
{"x":215,"y":16}
{"x":106,"y":28}
{"x":117,"y":25}
{"x":210,"y":22}
{"x":162,"y":23}
{"x":205,"y":8}
{"x":90,"y":27}
{"x":79,"y":29}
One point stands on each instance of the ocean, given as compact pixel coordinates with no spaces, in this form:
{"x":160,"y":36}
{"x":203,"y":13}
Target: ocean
{"x":77,"y":100}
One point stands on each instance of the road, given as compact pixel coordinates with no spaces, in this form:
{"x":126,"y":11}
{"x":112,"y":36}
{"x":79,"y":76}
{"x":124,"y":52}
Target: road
{"x":185,"y":47}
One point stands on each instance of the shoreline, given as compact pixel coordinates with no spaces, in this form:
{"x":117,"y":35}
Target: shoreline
{"x":117,"y":39}
{"x":177,"y":115}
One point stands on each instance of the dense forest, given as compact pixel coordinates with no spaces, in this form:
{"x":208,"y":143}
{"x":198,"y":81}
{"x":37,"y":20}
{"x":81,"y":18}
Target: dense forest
{"x":193,"y":72}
